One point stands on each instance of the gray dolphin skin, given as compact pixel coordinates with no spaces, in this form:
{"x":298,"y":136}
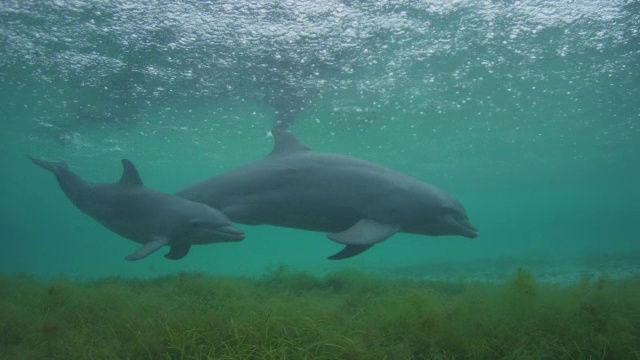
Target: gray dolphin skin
{"x":148,"y":217}
{"x":357,"y":202}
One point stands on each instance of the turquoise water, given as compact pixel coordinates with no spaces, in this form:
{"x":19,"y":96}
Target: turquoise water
{"x":527,"y":112}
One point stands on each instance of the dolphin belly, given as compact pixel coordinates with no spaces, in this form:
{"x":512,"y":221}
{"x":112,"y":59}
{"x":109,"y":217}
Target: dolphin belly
{"x":298,"y":192}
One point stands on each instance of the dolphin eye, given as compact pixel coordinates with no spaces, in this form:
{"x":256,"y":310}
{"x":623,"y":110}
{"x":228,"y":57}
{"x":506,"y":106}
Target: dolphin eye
{"x":195,"y":223}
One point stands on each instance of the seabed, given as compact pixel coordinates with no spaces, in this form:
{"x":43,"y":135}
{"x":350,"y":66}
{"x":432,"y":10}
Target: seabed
{"x":348,"y":314}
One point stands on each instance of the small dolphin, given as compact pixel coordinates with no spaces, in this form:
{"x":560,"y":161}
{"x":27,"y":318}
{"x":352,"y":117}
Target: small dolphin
{"x":148,"y":217}
{"x":357,"y":202}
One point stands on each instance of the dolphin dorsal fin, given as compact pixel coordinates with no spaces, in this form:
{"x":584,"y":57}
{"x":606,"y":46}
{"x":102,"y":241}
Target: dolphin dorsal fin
{"x":286,"y":143}
{"x":130,"y":176}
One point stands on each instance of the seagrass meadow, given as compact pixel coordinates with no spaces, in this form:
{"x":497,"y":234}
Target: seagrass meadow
{"x":296,"y":315}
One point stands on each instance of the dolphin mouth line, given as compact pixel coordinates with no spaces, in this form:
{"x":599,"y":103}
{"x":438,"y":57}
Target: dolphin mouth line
{"x":470,"y":230}
{"x":230,"y":232}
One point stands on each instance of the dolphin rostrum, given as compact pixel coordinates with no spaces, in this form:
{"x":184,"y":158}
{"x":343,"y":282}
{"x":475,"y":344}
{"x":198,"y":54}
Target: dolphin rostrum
{"x":357,"y":202}
{"x":146,"y":216}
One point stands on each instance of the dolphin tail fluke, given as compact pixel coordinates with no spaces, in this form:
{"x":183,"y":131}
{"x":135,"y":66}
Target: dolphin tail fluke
{"x":54,"y":167}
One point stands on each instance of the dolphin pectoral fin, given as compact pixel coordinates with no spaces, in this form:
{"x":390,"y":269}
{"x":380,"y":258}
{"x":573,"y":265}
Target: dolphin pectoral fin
{"x":365,"y":232}
{"x":147,"y":249}
{"x":360,"y":237}
{"x":178,"y":251}
{"x":349,"y":251}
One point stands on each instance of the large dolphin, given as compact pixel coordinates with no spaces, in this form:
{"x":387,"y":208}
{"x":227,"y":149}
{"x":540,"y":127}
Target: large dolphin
{"x":357,"y":202}
{"x":148,"y":217}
